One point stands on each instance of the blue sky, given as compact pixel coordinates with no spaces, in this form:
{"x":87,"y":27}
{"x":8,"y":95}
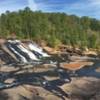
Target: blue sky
{"x":79,"y":7}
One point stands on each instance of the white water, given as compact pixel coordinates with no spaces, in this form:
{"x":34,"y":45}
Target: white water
{"x":23,"y":58}
{"x":30,"y":54}
{"x":35,"y":48}
{"x":14,"y":41}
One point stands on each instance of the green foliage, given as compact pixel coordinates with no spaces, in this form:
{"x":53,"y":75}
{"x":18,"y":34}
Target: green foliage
{"x":54,"y":28}
{"x":54,"y":42}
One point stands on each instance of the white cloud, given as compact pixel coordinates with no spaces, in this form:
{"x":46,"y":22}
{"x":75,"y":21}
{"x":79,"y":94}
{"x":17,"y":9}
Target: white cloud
{"x":95,"y":2}
{"x":85,"y":8}
{"x":95,"y":6}
{"x":33,"y":5}
{"x":79,"y":7}
{"x":11,"y":5}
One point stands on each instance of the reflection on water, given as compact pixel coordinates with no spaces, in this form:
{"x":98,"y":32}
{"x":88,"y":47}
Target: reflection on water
{"x":37,"y":79}
{"x":91,"y":70}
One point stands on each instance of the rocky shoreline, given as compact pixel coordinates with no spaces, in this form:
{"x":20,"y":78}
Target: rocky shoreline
{"x":85,"y":86}
{"x":83,"y":69}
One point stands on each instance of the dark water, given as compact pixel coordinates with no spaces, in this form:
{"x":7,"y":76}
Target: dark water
{"x":91,"y":70}
{"x":38,"y":78}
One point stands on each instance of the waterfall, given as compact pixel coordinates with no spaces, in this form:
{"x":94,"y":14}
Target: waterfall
{"x":18,"y":54}
{"x":35,"y":48}
{"x":30,"y":54}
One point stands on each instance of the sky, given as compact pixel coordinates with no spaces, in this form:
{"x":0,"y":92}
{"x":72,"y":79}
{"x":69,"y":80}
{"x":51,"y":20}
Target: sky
{"x":89,"y":8}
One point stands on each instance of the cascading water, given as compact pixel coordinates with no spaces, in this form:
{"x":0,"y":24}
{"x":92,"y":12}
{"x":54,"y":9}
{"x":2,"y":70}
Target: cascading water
{"x":18,"y":54}
{"x":34,"y":47}
{"x":30,"y":54}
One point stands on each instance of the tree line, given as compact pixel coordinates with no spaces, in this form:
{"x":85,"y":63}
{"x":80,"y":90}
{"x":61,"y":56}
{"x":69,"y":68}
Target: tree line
{"x":54,"y":28}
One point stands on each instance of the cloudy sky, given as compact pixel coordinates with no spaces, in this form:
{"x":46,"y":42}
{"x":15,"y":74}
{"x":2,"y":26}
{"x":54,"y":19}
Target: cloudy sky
{"x":79,"y":7}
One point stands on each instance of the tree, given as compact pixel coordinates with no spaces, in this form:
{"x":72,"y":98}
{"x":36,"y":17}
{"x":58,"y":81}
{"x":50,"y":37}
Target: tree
{"x":54,"y":28}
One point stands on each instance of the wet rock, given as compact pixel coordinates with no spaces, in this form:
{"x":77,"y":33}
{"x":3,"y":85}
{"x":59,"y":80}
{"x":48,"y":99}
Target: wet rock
{"x":85,"y":88}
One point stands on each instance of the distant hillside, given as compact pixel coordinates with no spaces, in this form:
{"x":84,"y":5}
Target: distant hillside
{"x":54,"y":28}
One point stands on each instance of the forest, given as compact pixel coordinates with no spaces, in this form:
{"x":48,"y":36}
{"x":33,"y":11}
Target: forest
{"x":53,"y":28}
